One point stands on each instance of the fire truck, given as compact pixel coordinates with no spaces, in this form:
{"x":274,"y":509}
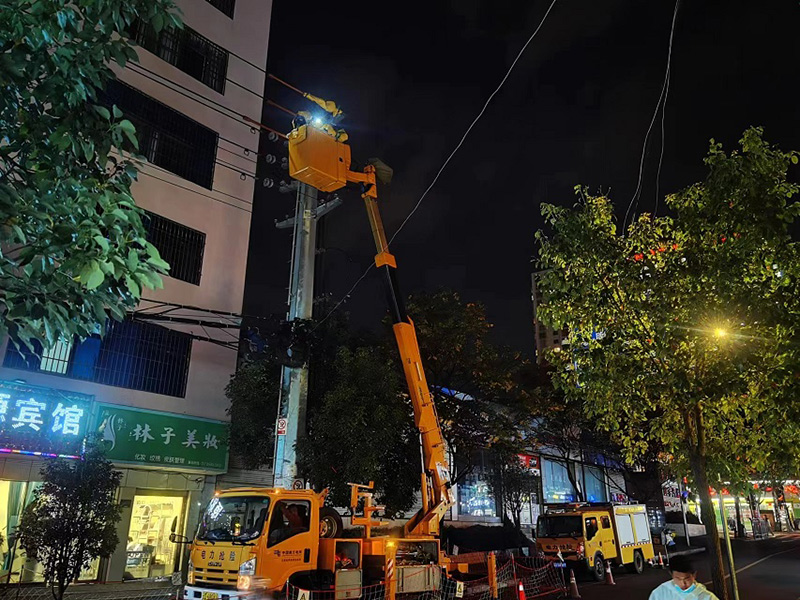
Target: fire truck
{"x":265,"y":537}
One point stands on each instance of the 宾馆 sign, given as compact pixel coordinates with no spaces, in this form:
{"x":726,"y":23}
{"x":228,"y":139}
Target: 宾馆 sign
{"x":42,"y":421}
{"x":162,"y":439}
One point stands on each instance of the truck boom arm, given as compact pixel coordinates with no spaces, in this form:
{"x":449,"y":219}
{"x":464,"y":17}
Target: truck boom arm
{"x":437,"y":496}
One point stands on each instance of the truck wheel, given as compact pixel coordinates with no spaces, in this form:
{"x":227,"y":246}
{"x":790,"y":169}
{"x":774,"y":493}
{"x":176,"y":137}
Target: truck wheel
{"x":330,"y":523}
{"x":598,"y":568}
{"x":637,"y":566}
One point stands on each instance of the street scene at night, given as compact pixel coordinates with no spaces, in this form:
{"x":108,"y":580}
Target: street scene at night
{"x":455,"y":300}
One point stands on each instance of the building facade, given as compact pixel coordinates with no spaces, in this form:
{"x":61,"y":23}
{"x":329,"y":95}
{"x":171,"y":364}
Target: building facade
{"x":545,"y":337}
{"x":154,"y":392}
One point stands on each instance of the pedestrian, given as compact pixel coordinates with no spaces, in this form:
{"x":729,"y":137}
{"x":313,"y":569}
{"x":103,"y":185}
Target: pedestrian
{"x":684,"y":584}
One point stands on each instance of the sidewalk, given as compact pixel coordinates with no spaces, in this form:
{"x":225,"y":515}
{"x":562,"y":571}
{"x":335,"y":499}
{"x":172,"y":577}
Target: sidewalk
{"x":129,"y":590}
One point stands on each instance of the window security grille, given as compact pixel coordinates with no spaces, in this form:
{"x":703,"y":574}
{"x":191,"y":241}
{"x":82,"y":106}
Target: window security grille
{"x":166,"y":137}
{"x":187,"y":50}
{"x":224,"y":6}
{"x":181,"y":246}
{"x":133,"y":355}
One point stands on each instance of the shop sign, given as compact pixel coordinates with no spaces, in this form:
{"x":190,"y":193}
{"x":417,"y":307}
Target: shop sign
{"x":530,"y":461}
{"x":672,"y":497}
{"x":42,"y":421}
{"x":162,"y":439}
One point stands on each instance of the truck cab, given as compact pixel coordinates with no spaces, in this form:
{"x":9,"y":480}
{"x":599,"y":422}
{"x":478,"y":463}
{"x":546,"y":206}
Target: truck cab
{"x":591,"y":535}
{"x":256,"y":537}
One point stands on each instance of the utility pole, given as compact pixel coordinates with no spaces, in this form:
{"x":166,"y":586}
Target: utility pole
{"x":731,"y":565}
{"x":293,"y":398}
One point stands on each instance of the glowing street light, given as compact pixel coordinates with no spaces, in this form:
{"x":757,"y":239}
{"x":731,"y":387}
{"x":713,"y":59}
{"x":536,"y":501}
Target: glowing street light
{"x":720,"y":332}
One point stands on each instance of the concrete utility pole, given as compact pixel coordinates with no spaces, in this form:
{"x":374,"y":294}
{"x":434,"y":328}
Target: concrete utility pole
{"x":293,"y":399}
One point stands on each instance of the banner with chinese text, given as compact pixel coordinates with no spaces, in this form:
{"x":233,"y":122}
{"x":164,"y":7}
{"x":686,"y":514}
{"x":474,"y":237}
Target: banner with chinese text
{"x":42,"y":421}
{"x":162,"y":439}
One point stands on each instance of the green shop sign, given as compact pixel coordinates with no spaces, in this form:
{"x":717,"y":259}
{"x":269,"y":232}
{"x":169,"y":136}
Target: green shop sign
{"x":162,"y":439}
{"x":42,"y":421}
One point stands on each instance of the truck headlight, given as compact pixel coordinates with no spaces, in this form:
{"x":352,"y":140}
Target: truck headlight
{"x":248,"y":567}
{"x":190,"y":573}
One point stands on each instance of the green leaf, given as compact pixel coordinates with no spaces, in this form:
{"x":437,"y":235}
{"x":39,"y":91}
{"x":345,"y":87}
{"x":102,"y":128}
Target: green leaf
{"x":133,"y":260}
{"x":117,"y":111}
{"x":103,"y":112}
{"x":102,"y":242}
{"x":132,"y":286}
{"x":127,"y":126}
{"x":95,"y":278}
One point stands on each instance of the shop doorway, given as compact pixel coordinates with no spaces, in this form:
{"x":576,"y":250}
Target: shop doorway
{"x":149,"y":551}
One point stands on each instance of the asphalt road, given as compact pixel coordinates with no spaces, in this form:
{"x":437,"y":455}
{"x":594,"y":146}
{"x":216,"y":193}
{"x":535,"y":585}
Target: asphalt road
{"x":766,"y":570}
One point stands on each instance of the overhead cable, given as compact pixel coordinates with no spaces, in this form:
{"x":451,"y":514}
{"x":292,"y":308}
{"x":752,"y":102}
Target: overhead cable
{"x":460,"y":143}
{"x":661,"y":99}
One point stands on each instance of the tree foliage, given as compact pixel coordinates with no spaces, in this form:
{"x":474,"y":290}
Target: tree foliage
{"x":364,"y":431}
{"x":72,"y":244}
{"x":253,"y":394}
{"x":72,"y":519}
{"x":684,"y":330}
{"x":512,"y":483}
{"x":473,"y":381}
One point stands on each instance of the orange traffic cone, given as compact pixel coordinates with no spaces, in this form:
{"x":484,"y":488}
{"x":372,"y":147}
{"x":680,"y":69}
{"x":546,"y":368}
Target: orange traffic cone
{"x":573,"y":585}
{"x":660,"y":561}
{"x":609,"y":574}
{"x":521,"y":591}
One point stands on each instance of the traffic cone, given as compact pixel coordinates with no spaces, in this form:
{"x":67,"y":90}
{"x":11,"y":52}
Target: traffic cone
{"x":521,"y":591}
{"x":660,"y":561}
{"x":573,"y":585}
{"x":609,"y":574}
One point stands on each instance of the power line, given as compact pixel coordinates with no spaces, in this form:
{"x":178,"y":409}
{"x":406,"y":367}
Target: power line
{"x":460,"y":143}
{"x":661,"y":97}
{"x":163,"y":170}
{"x":233,"y":167}
{"x":664,"y":106}
{"x":243,"y":119}
{"x":242,"y":156}
{"x":195,"y":191}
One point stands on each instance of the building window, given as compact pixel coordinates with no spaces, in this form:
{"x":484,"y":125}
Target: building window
{"x":595,"y":484}
{"x":133,"y":355}
{"x":149,"y":551}
{"x":166,"y":137}
{"x":181,"y":246}
{"x":56,"y":359}
{"x":187,"y":50}
{"x":555,"y":482}
{"x":475,"y":498}
{"x":224,"y":6}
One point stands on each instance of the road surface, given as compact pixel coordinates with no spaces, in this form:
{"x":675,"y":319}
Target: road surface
{"x":766,"y":570}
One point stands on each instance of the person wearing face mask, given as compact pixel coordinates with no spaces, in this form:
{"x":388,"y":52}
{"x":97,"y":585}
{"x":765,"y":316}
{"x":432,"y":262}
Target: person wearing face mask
{"x":683,"y":585}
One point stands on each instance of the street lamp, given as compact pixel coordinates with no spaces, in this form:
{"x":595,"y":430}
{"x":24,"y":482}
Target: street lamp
{"x":720,"y":332}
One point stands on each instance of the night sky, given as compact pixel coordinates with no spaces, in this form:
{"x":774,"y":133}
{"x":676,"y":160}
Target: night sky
{"x":412,"y":76}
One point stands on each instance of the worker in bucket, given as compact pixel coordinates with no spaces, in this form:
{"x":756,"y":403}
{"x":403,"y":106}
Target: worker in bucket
{"x":683,"y":585}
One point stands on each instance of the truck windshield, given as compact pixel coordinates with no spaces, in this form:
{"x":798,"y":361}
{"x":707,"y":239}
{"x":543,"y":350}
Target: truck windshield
{"x":233,"y":518}
{"x":559,"y":526}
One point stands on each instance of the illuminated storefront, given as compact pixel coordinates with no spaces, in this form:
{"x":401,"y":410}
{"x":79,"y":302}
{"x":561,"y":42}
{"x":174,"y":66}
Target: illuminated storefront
{"x":36,"y":423}
{"x":168,"y":463}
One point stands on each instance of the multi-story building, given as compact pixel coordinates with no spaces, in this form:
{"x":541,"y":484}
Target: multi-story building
{"x":546,"y":337}
{"x":155,"y":392}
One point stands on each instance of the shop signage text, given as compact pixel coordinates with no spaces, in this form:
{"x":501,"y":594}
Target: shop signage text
{"x":162,"y":439}
{"x":42,"y":421}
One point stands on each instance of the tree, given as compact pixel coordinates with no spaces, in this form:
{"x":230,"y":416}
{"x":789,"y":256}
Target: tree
{"x":472,"y":380}
{"x":364,"y":431}
{"x":684,"y":331}
{"x":512,"y":483}
{"x":73,"y":245}
{"x":254,"y":390}
{"x":253,"y":394}
{"x":72,"y":519}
